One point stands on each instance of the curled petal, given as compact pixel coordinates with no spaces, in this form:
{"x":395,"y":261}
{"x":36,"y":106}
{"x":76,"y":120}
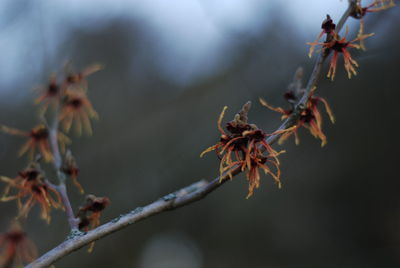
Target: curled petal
{"x":265,"y":104}
{"x":332,"y":66}
{"x":209,"y":149}
{"x":328,"y":109}
{"x":221,"y":116}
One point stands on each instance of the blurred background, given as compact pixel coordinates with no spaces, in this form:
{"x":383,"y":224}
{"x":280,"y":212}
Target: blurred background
{"x":170,"y":67}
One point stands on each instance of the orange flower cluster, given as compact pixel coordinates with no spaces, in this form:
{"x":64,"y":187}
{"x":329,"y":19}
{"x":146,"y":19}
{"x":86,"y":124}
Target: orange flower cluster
{"x":244,"y":145}
{"x":310,"y":117}
{"x":328,"y":28}
{"x":31,"y":188}
{"x":67,"y":100}
{"x":16,"y":247}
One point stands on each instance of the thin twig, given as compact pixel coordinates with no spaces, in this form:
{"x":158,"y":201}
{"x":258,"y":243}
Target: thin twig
{"x":53,"y":138}
{"x":57,"y":162}
{"x":186,"y":195}
{"x":72,"y":220}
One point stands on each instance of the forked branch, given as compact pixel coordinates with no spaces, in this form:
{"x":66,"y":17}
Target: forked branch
{"x":189,"y":194}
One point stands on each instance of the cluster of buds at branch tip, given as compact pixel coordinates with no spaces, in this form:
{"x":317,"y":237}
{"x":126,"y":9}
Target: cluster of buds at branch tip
{"x":15,"y":247}
{"x":244,"y":145}
{"x":309,"y":117}
{"x":89,"y":214}
{"x":30,"y":187}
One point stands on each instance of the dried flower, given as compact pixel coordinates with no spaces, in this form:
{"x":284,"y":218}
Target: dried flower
{"x":310,"y":117}
{"x":89,"y":214}
{"x":16,"y":247}
{"x":38,"y":138}
{"x":77,"y":108}
{"x":71,"y":169}
{"x":31,"y":187}
{"x":244,"y":145}
{"x":93,"y":205}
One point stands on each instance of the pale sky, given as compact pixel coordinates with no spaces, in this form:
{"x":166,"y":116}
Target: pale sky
{"x":187,"y":31}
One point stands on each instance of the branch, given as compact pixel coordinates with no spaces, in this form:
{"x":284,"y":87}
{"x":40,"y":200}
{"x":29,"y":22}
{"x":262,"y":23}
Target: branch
{"x":184,"y":196}
{"x":171,"y":201}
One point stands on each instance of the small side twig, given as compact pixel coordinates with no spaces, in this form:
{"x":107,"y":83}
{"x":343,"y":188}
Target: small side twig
{"x":57,"y":163}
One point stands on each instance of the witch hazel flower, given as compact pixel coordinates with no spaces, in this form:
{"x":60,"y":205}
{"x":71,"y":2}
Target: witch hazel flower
{"x":310,"y":117}
{"x":77,"y":109}
{"x":244,"y":145}
{"x":89,"y":214}
{"x":15,"y":247}
{"x":359,"y":12}
{"x":341,"y":45}
{"x":30,"y":188}
{"x":37,"y":140}
{"x":377,"y":5}
{"x":77,"y":80}
{"x":49,"y":95}
{"x":328,"y":28}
